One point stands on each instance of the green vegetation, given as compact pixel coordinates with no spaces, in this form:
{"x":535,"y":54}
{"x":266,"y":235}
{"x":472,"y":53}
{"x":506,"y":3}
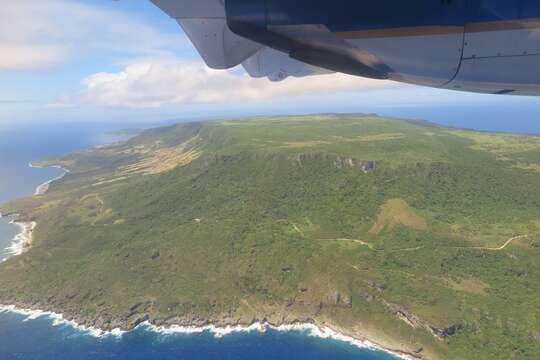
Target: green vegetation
{"x":419,"y":237}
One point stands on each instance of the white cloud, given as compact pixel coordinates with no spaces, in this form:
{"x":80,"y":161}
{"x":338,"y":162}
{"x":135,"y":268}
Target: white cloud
{"x":36,"y":34}
{"x":41,"y":33}
{"x":158,"y":82}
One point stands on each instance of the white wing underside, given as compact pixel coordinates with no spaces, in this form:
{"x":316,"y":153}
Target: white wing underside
{"x":205,"y":23}
{"x":277,"y":66}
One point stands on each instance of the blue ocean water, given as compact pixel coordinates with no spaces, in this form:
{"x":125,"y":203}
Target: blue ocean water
{"x":39,"y":339}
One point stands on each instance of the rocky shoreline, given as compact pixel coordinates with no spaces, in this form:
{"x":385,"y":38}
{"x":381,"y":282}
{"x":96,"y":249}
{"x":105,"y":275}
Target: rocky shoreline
{"x":105,"y":325}
{"x":22,"y":241}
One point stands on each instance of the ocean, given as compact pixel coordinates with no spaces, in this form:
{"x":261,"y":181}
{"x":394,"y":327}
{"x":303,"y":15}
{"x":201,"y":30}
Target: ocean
{"x":28,"y":337}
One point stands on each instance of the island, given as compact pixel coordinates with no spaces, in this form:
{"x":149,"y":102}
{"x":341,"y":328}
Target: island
{"x":422,"y":239}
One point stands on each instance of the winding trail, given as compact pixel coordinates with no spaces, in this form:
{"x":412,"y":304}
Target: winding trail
{"x":371,"y":247}
{"x":502,"y":247}
{"x":363,"y":243}
{"x":508,"y":242}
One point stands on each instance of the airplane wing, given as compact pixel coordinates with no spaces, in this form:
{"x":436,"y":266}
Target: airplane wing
{"x":468,"y":45}
{"x":205,"y":23}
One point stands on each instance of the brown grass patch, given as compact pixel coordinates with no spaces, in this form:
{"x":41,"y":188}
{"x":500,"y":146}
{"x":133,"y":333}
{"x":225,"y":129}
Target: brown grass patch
{"x":303,"y":144}
{"x":398,"y":212}
{"x":164,"y":159}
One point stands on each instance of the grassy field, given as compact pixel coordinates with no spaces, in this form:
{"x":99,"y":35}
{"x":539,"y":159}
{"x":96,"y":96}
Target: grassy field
{"x":419,"y":237}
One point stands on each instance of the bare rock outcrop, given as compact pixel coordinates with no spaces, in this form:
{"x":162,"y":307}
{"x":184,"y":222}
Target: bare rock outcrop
{"x":414,"y":321}
{"x":340,"y":162}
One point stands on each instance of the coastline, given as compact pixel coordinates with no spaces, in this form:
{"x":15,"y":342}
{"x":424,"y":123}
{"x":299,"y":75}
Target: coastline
{"x":310,"y":329}
{"x":23,"y":240}
{"x":43,"y":188}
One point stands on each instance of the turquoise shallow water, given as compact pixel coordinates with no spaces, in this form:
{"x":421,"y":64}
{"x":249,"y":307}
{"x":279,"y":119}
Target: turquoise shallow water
{"x":41,"y":339}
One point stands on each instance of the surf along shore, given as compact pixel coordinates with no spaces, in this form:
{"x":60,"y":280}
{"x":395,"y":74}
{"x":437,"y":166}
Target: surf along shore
{"x":42,"y":189}
{"x":84,"y":325}
{"x":117,"y":327}
{"x":23,"y":240}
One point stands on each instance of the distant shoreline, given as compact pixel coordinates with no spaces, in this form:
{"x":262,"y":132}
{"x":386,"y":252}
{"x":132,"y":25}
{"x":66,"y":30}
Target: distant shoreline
{"x":22,"y":241}
{"x":43,"y":188}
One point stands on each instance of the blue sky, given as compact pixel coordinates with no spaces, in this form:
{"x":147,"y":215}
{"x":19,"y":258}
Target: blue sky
{"x":126,"y":61}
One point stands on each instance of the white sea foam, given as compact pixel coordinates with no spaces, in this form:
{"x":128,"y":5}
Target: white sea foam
{"x":307,"y":328}
{"x":59,"y":320}
{"x":20,"y":242}
{"x":218,"y":332}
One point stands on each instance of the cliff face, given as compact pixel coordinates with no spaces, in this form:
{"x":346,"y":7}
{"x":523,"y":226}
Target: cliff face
{"x":339,"y":162}
{"x":383,"y":229}
{"x":365,"y":166}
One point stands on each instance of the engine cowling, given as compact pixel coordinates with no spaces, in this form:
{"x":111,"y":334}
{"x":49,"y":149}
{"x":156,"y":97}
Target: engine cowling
{"x":314,"y":44}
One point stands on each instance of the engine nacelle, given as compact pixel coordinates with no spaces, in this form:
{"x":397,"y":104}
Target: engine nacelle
{"x":314,"y":44}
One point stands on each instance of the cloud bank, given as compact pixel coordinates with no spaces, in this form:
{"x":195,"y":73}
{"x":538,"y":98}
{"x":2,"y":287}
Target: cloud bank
{"x":38,"y":34}
{"x":158,"y":82}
